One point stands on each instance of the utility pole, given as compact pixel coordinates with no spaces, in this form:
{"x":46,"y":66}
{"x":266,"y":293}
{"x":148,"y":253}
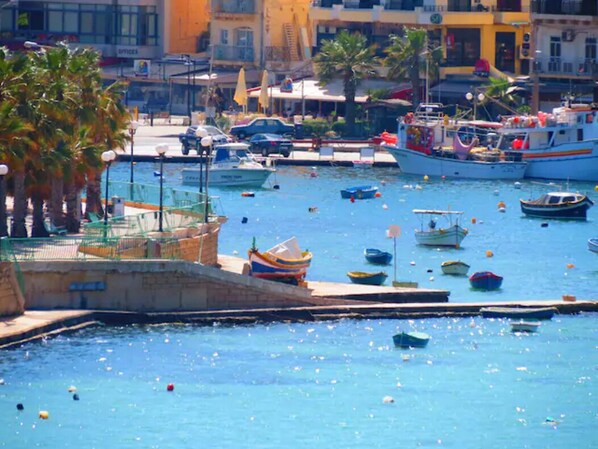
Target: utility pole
{"x":534,"y":69}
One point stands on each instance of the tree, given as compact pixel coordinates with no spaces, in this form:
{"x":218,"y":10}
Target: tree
{"x":409,"y":57}
{"x":349,"y":58}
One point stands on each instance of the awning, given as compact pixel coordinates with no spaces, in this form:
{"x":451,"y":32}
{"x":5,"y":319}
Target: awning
{"x":312,"y":89}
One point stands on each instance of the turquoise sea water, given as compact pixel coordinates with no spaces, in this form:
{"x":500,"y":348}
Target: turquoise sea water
{"x":306,"y":386}
{"x":322,"y":385}
{"x":537,"y":262}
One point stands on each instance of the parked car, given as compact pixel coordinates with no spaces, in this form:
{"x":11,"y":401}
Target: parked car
{"x":189,"y":138}
{"x":262,"y":126}
{"x":266,"y":144}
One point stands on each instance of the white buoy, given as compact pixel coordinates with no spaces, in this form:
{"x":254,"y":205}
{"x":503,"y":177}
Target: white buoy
{"x":388,"y":399}
{"x":384,"y":206}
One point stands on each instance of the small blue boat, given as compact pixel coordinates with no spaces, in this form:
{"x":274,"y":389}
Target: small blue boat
{"x":485,"y":280}
{"x":359,"y":193}
{"x":361,"y":277}
{"x":411,"y":339}
{"x":377,"y":257}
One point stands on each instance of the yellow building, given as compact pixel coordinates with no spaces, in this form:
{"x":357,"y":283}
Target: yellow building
{"x":257,"y":34}
{"x":467,"y":30}
{"x":186,"y":26}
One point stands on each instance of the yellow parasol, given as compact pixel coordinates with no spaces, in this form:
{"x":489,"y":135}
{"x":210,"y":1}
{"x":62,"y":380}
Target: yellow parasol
{"x":263,"y":99}
{"x":241,"y":90}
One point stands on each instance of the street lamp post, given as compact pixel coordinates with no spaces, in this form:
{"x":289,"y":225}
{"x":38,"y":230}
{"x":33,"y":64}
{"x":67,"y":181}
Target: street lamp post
{"x":476,"y":99}
{"x":188,"y":63}
{"x":107,"y":157}
{"x":161,"y":149}
{"x":132,"y":130}
{"x":207,"y":141}
{"x":200,"y":134}
{"x":3,"y":227}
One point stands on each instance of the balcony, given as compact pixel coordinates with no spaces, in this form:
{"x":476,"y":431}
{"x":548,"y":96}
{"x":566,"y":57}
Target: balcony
{"x":232,"y":53}
{"x":565,"y":7}
{"x":567,"y":67}
{"x":233,"y":6}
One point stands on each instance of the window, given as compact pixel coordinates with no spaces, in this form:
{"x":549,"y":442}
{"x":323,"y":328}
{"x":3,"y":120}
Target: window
{"x":591,"y":48}
{"x":463,"y":46}
{"x":224,"y":37}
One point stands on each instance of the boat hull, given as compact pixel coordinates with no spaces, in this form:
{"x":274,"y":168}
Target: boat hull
{"x":359,"y":193}
{"x":411,"y":340}
{"x":572,"y":162}
{"x":247,"y":177}
{"x":593,"y":245}
{"x":272,"y":267}
{"x":532,"y":313}
{"x":575,"y":211}
{"x":359,"y":277}
{"x":416,"y":163}
{"x":455,"y":268}
{"x":524,"y":326}
{"x":485,"y":280}
{"x":451,"y":236}
{"x":377,"y":257}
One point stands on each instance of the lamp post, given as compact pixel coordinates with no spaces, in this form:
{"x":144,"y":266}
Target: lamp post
{"x":207,"y":141}
{"x":188,"y":63}
{"x":132,"y":130}
{"x":161,"y":149}
{"x":476,"y":99}
{"x":3,"y":227}
{"x":107,"y":157}
{"x":200,"y":134}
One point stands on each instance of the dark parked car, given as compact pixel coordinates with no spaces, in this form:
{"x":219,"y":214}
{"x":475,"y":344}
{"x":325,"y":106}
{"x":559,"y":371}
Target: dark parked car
{"x":189,"y":139}
{"x":262,"y":126}
{"x":266,"y":144}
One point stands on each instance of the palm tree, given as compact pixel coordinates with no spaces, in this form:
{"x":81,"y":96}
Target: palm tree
{"x":409,"y":56}
{"x":349,"y":58}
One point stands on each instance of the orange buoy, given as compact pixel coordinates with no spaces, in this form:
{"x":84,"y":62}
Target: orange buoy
{"x":474,"y":220}
{"x":570,"y":265}
{"x":489,"y":253}
{"x":248,"y":194}
{"x":43,"y":414}
{"x":378,"y":195}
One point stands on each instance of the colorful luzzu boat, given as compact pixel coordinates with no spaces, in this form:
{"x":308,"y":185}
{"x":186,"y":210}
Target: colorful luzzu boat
{"x":284,"y":262}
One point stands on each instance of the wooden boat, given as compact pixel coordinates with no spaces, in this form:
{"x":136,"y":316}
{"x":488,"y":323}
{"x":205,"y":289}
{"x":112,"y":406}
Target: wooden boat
{"x":455,"y":267}
{"x":593,"y":245}
{"x":284,"y":262}
{"x":362,"y":277}
{"x":566,"y":205}
{"x":377,"y":257}
{"x":359,"y":192}
{"x":430,"y":144}
{"x":526,"y":313}
{"x":411,"y":339}
{"x":524,"y":326}
{"x":485,"y":280}
{"x":431,"y":234}
{"x":562,"y":144}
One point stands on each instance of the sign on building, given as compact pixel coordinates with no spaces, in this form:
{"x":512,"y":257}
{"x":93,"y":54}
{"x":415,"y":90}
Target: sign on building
{"x":141,"y":67}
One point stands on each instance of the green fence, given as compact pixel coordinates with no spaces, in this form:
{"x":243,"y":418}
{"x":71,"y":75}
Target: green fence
{"x":90,"y":248}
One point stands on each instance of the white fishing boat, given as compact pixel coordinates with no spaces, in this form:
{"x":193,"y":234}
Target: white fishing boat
{"x":431,"y":233}
{"x":429,"y":143}
{"x":524,"y":326}
{"x":455,"y":267}
{"x":231,"y":164}
{"x":559,"y":145}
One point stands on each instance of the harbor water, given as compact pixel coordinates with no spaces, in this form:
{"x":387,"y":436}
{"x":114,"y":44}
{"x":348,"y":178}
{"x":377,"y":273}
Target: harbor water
{"x":342,"y":383}
{"x":539,"y":259}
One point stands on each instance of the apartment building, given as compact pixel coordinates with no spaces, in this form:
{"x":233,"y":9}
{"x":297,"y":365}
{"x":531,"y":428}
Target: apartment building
{"x":564,"y":49}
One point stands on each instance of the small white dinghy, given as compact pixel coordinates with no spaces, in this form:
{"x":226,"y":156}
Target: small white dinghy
{"x":524,"y":326}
